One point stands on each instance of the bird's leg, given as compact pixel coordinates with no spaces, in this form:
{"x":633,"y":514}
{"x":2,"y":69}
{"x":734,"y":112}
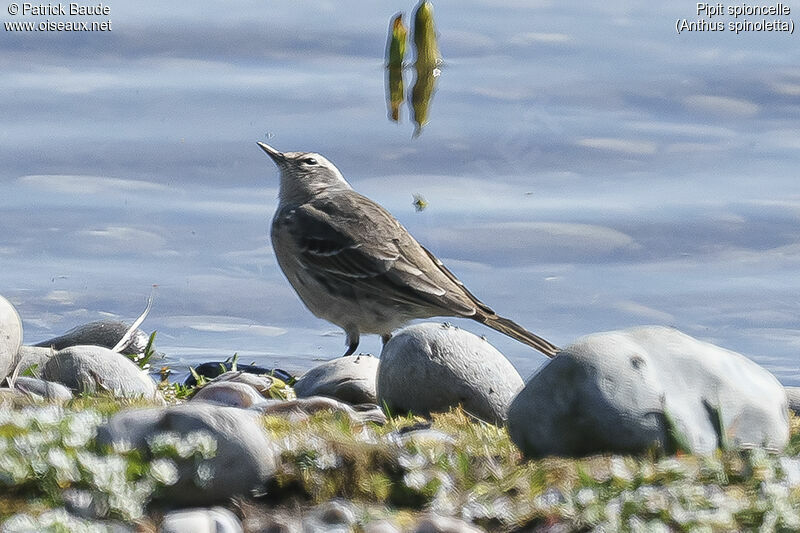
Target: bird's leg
{"x":352,"y":342}
{"x":385,"y":338}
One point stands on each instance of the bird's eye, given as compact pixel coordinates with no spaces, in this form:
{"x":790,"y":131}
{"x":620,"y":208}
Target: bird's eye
{"x":309,"y":161}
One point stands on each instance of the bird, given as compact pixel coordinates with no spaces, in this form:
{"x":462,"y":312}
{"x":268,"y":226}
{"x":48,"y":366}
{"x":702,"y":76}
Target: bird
{"x":353,"y":264}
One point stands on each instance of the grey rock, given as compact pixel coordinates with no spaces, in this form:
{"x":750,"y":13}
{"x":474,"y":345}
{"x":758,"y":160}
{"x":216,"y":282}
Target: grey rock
{"x":302,"y":408}
{"x":433,"y":367}
{"x":10,"y":336}
{"x":243,"y":462}
{"x":793,"y":395}
{"x":627,"y":391}
{"x":213,"y":520}
{"x":350,"y":379}
{"x":434,"y":523}
{"x":94,"y":369}
{"x":335,"y":516}
{"x":46,"y":389}
{"x":106,"y":333}
{"x":33,"y":358}
{"x":273,"y":522}
{"x":381,"y":526}
{"x":231,"y":393}
{"x":262,"y":383}
{"x":336,"y":512}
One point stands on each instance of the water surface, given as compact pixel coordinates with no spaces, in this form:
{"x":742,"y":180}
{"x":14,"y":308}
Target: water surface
{"x":585,"y":169}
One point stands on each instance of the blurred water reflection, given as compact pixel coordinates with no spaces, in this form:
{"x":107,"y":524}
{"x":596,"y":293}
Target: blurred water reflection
{"x":582,"y":173}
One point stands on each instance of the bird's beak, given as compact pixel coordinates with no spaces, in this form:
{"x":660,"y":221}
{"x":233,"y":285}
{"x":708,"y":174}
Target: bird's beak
{"x":276,"y":156}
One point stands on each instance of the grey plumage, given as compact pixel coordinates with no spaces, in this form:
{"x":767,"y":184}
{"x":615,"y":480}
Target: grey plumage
{"x":353,"y":264}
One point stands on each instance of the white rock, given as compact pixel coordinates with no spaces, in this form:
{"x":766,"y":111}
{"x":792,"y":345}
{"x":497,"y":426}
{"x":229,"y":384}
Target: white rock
{"x":10,"y":336}
{"x":231,"y":393}
{"x":243,"y":461}
{"x":617,"y":392}
{"x":302,"y":408}
{"x":350,"y":379}
{"x":34,"y":358}
{"x":433,"y":367}
{"x":94,"y":369}
{"x":213,"y":520}
{"x":380,"y":526}
{"x":335,"y":516}
{"x":262,"y":383}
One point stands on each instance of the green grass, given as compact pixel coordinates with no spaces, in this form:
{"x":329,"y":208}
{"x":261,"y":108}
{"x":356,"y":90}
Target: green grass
{"x":458,"y":466}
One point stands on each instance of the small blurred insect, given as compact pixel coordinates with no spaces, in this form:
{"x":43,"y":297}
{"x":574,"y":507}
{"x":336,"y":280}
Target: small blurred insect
{"x":419,"y":203}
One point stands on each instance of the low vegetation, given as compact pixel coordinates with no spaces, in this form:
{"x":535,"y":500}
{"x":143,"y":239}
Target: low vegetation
{"x":454,"y":465}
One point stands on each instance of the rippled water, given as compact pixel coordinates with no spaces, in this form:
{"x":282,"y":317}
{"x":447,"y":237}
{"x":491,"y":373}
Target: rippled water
{"x":585,"y":169}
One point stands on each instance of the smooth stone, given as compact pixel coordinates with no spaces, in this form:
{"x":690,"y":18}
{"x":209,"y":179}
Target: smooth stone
{"x":46,"y":389}
{"x":93,"y":369}
{"x":302,"y":408}
{"x":616,"y":392}
{"x":269,"y":521}
{"x":793,"y":396}
{"x":213,"y":520}
{"x":244,"y":461}
{"x":34,"y":358}
{"x":381,"y":526}
{"x":434,"y":523}
{"x":215,"y":368}
{"x":230,"y":393}
{"x":10,"y":336}
{"x":433,"y":367}
{"x":332,"y":516}
{"x":350,"y":379}
{"x":105,"y":333}
{"x":261,"y":383}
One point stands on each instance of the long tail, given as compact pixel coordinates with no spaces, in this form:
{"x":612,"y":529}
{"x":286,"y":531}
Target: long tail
{"x":515,"y":331}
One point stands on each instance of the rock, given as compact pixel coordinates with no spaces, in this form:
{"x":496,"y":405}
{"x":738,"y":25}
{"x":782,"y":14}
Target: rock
{"x":333,"y":516}
{"x":262,"y":383}
{"x":10,"y":336}
{"x":34,"y":358}
{"x":105,"y":333}
{"x":434,"y":523}
{"x":93,"y":369}
{"x":301,"y":408}
{"x":213,"y":520}
{"x":381,"y":526}
{"x":628,"y":391}
{"x":243,"y":462}
{"x":432,"y":367}
{"x":45,"y":389}
{"x":230,"y":393}
{"x":793,"y":395}
{"x":267,"y":520}
{"x":215,"y":368}
{"x":350,"y":379}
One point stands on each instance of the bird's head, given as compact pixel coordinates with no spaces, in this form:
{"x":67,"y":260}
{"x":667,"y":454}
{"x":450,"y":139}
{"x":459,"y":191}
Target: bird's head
{"x":304,"y":174}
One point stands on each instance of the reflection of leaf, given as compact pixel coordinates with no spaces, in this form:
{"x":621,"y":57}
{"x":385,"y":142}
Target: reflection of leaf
{"x":425,"y":36}
{"x":421,"y":94}
{"x":427,"y":63}
{"x":396,"y":49}
{"x":395,"y":90}
{"x":395,"y":52}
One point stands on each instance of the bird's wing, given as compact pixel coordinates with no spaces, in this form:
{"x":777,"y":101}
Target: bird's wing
{"x":354,"y":240}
